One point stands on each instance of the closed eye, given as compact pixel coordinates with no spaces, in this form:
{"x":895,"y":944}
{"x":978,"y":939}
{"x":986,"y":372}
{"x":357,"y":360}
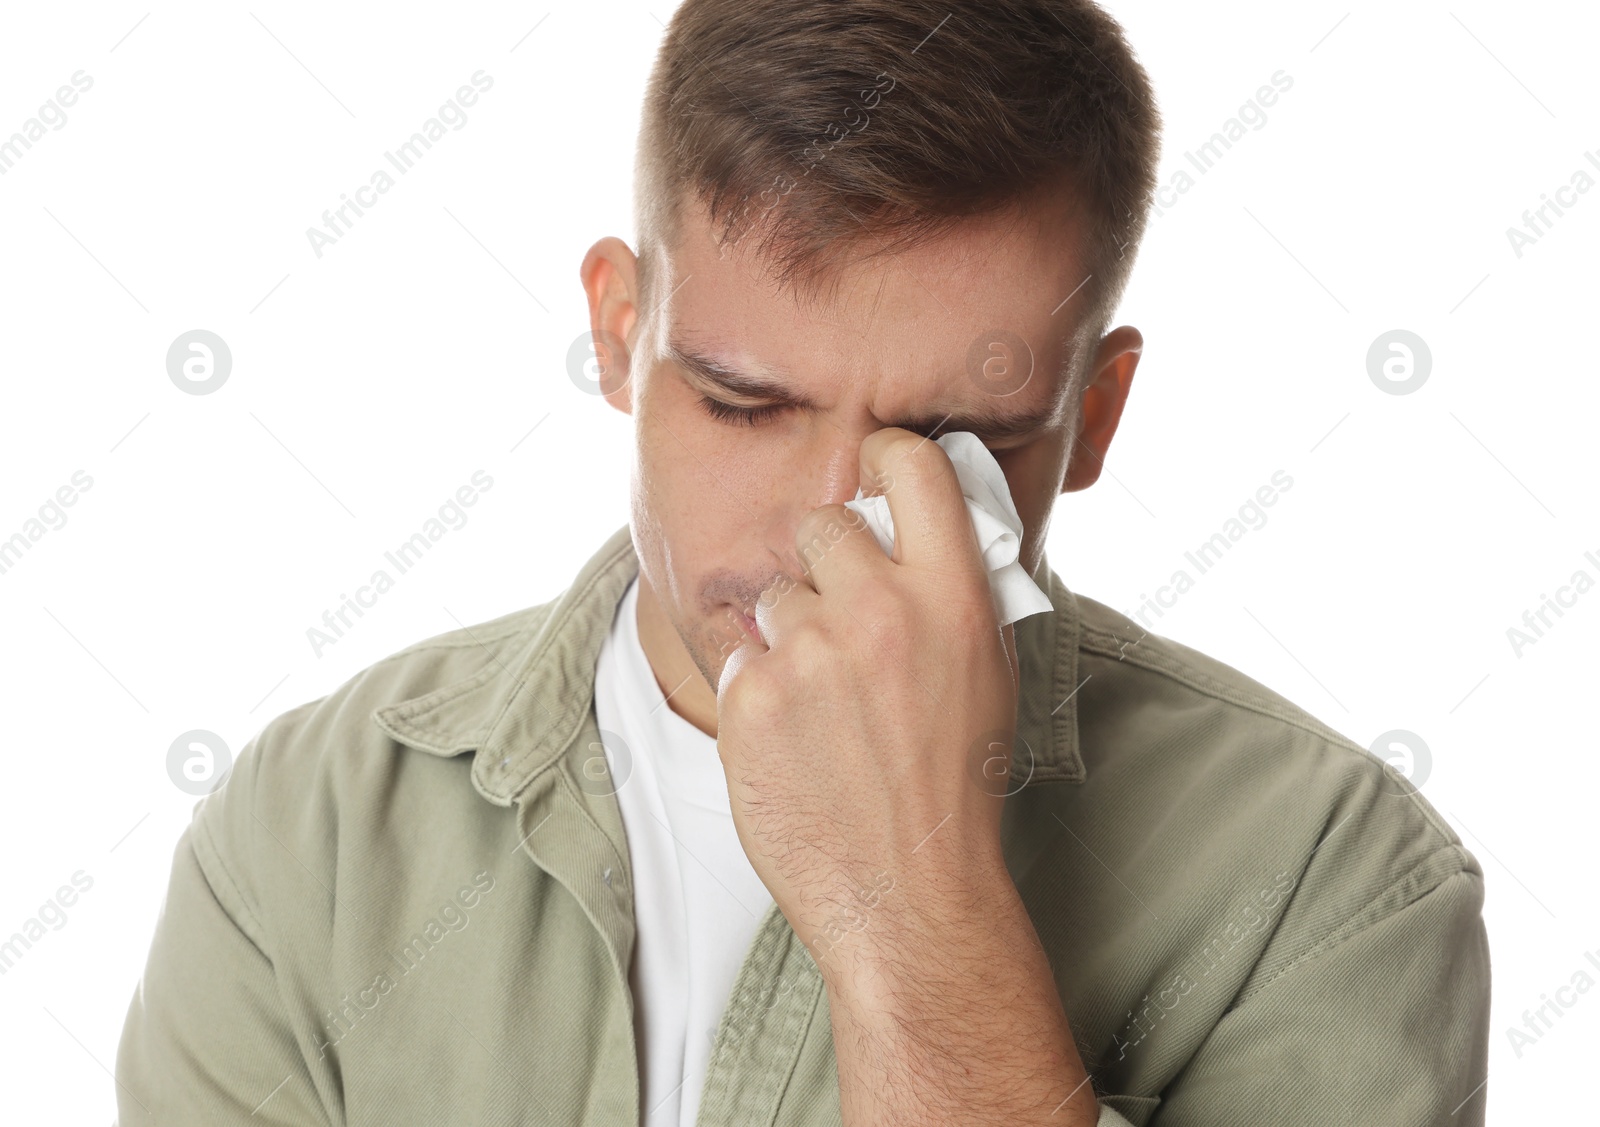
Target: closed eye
{"x":752,"y":416}
{"x":737,"y":416}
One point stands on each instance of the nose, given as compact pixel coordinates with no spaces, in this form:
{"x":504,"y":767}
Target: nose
{"x":826,"y":472}
{"x":839,"y":476}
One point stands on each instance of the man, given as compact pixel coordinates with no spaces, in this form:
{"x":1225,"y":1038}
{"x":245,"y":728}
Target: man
{"x":755,"y":823}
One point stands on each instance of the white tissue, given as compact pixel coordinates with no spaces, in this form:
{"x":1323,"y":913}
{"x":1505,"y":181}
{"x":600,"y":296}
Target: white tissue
{"x":994,"y":519}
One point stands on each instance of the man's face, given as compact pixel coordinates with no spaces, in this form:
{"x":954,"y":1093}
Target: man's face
{"x":716,"y":502}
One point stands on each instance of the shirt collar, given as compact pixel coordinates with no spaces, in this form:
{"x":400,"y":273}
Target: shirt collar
{"x":523,"y":709}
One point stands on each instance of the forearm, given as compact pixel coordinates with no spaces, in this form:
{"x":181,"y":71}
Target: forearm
{"x":949,"y":1014}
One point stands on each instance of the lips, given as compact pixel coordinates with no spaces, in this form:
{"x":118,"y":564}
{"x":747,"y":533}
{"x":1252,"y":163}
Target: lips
{"x":750,"y":626}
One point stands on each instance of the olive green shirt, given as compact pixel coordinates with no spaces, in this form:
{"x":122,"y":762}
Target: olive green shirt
{"x":411,"y":903}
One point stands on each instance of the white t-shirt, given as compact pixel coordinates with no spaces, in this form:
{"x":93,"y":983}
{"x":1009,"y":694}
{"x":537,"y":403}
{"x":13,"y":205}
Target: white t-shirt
{"x":697,"y":900}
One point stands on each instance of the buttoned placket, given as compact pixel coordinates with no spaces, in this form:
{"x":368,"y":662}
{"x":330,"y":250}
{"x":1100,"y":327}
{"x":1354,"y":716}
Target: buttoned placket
{"x":560,"y":816}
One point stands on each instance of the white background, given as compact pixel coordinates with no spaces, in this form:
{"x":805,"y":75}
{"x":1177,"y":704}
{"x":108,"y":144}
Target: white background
{"x":369,"y":384}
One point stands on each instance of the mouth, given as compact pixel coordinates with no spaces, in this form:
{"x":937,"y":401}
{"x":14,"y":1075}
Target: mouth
{"x":749,"y":625}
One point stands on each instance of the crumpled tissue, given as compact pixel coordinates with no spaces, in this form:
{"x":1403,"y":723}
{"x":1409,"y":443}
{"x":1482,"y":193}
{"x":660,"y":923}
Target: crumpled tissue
{"x":994,"y":519}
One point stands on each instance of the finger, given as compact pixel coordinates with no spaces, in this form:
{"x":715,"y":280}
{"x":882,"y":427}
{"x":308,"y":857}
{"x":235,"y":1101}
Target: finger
{"x":835,"y":543}
{"x":931,"y":524}
{"x":743,"y":654}
{"x":785,"y":601}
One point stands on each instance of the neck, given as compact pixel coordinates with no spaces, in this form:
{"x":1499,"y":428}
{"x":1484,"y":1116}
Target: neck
{"x":675,"y":671}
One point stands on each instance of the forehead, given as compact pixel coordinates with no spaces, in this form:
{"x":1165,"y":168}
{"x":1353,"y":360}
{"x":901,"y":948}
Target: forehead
{"x":895,"y":331}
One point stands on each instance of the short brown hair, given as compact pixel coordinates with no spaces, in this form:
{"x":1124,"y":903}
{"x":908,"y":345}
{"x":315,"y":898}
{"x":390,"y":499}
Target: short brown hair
{"x":828,"y":125}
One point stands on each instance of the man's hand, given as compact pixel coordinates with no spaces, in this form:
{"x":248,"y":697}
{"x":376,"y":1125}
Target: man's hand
{"x":863,"y":741}
{"x":867,"y":746}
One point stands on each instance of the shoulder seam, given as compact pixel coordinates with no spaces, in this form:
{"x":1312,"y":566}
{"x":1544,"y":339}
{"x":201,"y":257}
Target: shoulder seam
{"x":1422,"y":887}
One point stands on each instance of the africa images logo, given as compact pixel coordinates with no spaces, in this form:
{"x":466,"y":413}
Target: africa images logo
{"x":402,"y":160}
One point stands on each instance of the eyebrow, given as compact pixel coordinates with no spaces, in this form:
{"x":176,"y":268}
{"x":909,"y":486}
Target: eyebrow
{"x":985,"y":421}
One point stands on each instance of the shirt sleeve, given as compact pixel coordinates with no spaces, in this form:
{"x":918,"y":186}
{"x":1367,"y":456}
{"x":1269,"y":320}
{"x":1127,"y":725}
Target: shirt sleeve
{"x":207,"y":1038}
{"x":1388,"y":1024}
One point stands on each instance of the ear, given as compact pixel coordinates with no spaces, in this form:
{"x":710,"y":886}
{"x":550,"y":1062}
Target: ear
{"x":1104,"y":396}
{"x":610,"y":279}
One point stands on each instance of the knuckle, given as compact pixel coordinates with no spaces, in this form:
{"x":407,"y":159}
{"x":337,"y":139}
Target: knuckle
{"x":757,"y":692}
{"x":809,"y":644}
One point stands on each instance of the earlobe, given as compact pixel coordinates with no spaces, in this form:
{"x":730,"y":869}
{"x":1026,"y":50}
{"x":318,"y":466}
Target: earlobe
{"x":1104,"y":397}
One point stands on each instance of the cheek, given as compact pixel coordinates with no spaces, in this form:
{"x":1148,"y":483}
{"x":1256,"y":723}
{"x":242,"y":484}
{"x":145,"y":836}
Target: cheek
{"x":691,"y":490}
{"x":676,"y":433}
{"x":731,"y":470}
{"x":1034,"y":473}
{"x":672,"y":447}
{"x":1022,"y":469}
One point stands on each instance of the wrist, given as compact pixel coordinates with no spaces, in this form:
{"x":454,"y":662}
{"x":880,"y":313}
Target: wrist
{"x":927,"y":925}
